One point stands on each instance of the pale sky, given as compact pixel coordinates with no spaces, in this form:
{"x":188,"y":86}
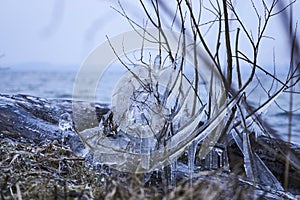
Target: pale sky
{"x":63,"y":32}
{"x":54,"y":31}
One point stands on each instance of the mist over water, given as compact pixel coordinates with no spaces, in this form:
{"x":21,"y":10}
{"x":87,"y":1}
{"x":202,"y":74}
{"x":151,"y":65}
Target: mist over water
{"x":59,"y":84}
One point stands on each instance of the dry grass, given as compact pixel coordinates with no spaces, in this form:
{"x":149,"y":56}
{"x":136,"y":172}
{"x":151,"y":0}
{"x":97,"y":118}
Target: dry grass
{"x":43,"y":172}
{"x":52,"y":172}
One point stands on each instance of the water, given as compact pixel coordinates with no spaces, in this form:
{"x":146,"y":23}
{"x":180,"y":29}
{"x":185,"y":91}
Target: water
{"x":59,"y":84}
{"x":48,"y":84}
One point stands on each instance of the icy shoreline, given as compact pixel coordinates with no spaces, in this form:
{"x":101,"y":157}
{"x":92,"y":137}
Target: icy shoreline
{"x":35,"y":121}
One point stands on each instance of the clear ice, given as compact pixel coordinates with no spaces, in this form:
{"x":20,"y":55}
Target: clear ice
{"x":156,"y":125}
{"x":65,"y":122}
{"x":66,"y":126}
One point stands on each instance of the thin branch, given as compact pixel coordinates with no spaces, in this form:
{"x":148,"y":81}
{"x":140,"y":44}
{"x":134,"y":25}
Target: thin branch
{"x":237,"y":59}
{"x":228,"y":45}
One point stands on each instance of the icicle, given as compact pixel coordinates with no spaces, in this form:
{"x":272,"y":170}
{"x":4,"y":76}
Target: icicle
{"x":145,"y":153}
{"x":215,"y":159}
{"x":66,"y":125}
{"x":255,"y":169}
{"x":247,"y":151}
{"x":191,"y":160}
{"x":225,"y":160}
{"x":65,"y":122}
{"x":173,"y":171}
{"x":220,"y":153}
{"x":164,"y":177}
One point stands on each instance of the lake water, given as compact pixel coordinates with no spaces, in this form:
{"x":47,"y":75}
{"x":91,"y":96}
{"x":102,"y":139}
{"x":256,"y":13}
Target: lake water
{"x":59,"y":84}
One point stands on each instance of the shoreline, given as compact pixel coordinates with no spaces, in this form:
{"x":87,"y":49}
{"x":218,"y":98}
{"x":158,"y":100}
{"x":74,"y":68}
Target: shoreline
{"x":32,"y":124}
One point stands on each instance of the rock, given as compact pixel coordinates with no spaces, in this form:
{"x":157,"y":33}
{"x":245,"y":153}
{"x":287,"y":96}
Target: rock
{"x":36,"y":120}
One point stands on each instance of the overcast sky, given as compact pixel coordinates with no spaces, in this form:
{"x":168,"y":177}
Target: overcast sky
{"x":57,"y":32}
{"x":63,"y":32}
